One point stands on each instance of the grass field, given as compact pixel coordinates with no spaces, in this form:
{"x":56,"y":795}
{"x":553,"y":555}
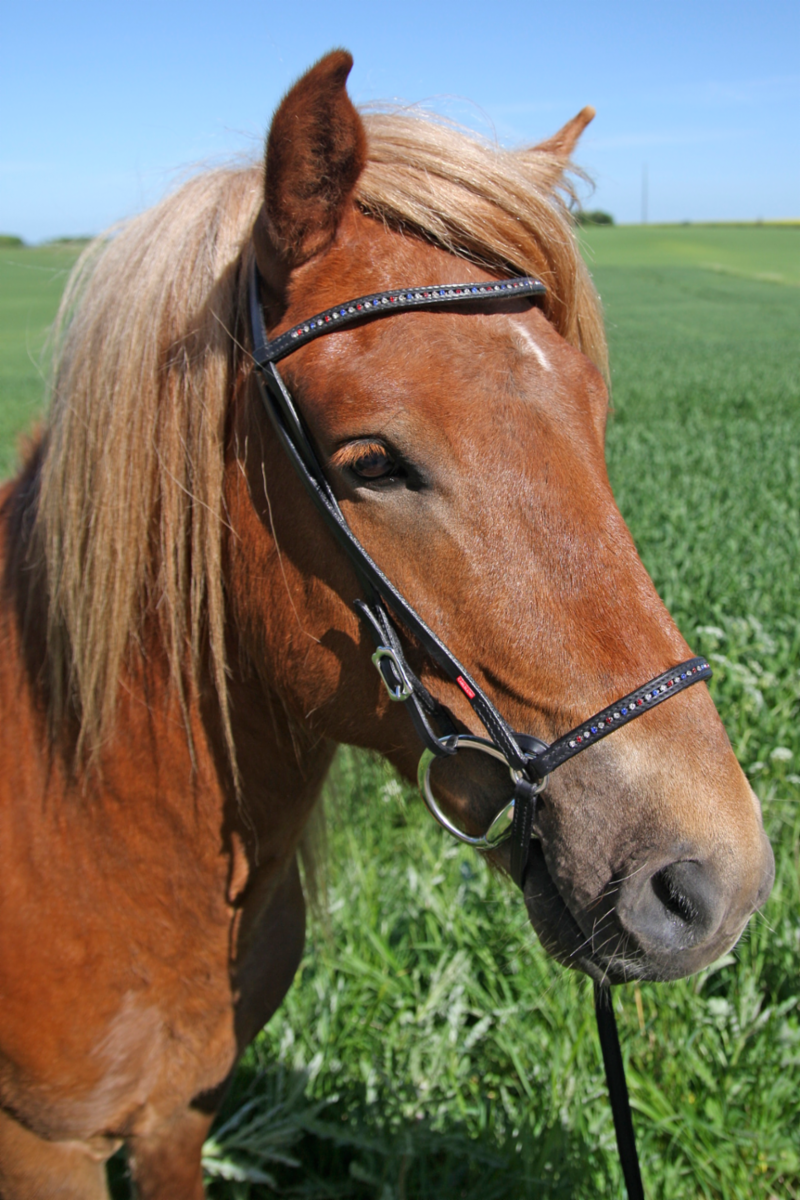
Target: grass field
{"x":428,"y":1047}
{"x":768,"y":253}
{"x":31,"y":281}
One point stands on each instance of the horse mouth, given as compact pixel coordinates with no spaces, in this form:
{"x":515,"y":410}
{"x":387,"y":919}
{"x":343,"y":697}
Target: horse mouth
{"x":663,"y":921}
{"x":607,"y":955}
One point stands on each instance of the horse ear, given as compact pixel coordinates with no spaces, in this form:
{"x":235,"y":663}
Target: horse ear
{"x":552,"y":156}
{"x":316,"y":151}
{"x":561,"y":144}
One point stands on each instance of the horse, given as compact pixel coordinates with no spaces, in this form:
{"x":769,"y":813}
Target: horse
{"x":181,"y":655}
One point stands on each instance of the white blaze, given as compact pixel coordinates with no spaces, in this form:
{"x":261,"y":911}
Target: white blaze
{"x":531,"y":345}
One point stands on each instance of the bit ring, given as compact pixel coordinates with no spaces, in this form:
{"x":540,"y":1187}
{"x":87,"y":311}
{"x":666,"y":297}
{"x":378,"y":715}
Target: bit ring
{"x":500,"y":828}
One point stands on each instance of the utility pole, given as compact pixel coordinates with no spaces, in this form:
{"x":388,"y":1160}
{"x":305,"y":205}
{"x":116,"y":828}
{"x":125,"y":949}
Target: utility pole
{"x":644,"y":194}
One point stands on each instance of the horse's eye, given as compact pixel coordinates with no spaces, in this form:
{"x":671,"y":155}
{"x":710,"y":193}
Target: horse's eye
{"x":367,"y":460}
{"x":373,"y":462}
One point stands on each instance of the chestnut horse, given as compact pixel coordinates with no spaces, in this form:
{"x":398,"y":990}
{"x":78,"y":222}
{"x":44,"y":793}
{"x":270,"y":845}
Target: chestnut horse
{"x":180,"y":654}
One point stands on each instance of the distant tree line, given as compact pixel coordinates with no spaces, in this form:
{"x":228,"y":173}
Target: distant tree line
{"x":594,"y":216}
{"x":10,"y":240}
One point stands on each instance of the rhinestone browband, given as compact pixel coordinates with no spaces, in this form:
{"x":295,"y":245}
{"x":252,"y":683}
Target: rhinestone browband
{"x":380,"y":303}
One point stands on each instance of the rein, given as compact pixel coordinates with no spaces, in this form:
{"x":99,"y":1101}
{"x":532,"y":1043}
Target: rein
{"x":529,"y":760}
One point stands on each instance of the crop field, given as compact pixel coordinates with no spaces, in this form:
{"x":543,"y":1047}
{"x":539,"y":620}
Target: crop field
{"x":31,"y":281}
{"x":428,"y":1048}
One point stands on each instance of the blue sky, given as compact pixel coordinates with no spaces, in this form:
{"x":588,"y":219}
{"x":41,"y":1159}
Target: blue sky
{"x":103,"y":107}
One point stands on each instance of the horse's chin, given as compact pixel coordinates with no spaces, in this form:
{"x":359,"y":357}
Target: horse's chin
{"x":564,"y":940}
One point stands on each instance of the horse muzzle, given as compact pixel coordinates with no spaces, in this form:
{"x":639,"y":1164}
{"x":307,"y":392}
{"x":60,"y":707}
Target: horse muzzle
{"x":687,"y":913}
{"x":666,"y":919}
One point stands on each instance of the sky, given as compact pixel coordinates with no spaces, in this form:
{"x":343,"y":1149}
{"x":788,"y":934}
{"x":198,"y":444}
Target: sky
{"x":105,"y":107}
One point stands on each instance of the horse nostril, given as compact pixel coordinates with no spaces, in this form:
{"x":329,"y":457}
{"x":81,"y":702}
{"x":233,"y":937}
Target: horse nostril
{"x":676,"y":899}
{"x":673,"y":909}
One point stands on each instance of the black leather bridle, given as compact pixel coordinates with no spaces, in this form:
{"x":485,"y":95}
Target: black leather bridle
{"x":529,"y":760}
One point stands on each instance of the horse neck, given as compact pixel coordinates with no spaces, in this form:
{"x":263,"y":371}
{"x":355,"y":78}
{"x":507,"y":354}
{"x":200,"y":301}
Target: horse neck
{"x":163,"y":758}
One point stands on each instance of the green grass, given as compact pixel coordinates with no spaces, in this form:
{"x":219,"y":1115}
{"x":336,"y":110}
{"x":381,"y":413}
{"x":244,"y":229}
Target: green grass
{"x":31,"y":282}
{"x":768,"y":253}
{"x":428,"y":1047}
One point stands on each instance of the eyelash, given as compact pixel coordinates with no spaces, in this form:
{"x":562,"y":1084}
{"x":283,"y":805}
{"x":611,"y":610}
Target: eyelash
{"x":349,"y":456}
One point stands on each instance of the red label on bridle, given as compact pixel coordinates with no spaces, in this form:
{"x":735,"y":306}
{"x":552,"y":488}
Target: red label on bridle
{"x":466,"y":689}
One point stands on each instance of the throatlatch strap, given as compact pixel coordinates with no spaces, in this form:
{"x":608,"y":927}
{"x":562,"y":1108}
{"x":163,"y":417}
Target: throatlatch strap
{"x":618,"y":1091}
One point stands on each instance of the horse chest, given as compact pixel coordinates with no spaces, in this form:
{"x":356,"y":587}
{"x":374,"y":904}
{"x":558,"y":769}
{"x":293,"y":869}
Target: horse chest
{"x":80,"y":917}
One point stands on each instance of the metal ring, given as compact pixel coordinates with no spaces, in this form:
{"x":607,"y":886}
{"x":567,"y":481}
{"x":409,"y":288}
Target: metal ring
{"x":404,"y":690}
{"x":500,"y":828}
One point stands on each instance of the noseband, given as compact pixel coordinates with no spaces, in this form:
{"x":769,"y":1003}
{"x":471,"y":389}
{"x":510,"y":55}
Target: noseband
{"x":528,"y":759}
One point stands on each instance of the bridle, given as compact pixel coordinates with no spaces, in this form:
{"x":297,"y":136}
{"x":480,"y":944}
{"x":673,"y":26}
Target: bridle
{"x":529,"y":759}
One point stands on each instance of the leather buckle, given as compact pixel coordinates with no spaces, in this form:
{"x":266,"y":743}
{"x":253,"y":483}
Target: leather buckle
{"x":391,"y":671}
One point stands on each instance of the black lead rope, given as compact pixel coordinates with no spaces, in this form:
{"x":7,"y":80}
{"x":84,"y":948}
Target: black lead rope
{"x":530,"y":760}
{"x":618,"y":1091}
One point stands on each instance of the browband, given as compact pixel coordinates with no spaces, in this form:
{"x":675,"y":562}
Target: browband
{"x":380,"y":304}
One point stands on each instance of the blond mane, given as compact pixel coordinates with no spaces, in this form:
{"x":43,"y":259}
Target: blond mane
{"x":131,"y":508}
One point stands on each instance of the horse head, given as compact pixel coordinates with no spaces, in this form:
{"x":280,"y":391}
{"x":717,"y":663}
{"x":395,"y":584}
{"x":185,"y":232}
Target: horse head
{"x":466,"y":450}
